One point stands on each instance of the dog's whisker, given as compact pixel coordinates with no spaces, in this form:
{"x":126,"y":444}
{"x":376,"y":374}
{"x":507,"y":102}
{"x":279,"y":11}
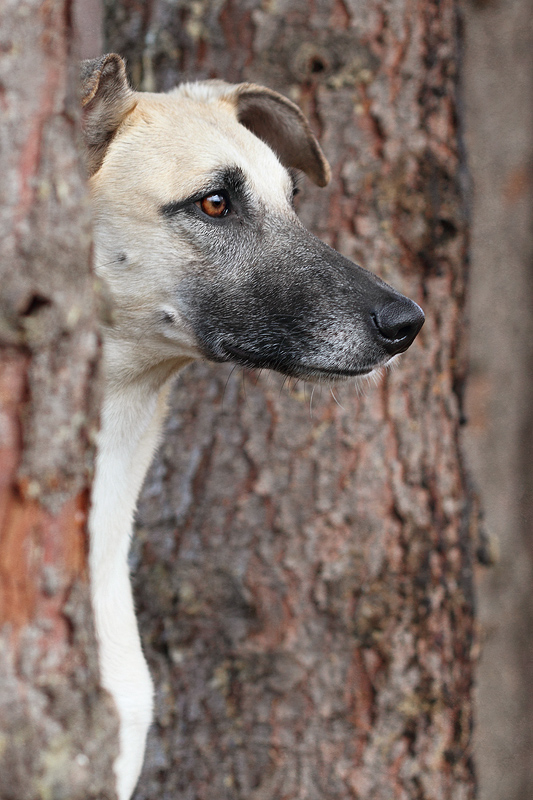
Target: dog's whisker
{"x":311,"y":401}
{"x":332,"y":393}
{"x":284,"y":381}
{"x":226,"y":384}
{"x":243,"y":385}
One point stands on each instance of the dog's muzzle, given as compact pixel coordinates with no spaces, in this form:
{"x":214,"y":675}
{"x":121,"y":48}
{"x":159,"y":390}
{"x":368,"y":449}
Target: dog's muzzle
{"x":302,"y":310}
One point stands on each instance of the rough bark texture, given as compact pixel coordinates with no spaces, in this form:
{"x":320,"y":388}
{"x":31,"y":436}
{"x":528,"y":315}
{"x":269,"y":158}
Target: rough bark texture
{"x":304,"y":570}
{"x":499,"y":116}
{"x":58,"y":732}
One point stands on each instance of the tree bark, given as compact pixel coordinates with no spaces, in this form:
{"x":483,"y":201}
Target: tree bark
{"x":499,"y":117}
{"x":304,"y":561}
{"x":58,"y":731}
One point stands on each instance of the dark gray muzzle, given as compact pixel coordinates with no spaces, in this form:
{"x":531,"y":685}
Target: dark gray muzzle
{"x":295,"y":305}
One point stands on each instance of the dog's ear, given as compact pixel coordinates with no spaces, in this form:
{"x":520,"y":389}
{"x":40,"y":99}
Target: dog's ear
{"x":106,"y":99}
{"x":281,"y":124}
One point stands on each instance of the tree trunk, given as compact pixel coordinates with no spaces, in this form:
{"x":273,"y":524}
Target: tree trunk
{"x":499,"y":116}
{"x":304,"y":561}
{"x":57,"y":729}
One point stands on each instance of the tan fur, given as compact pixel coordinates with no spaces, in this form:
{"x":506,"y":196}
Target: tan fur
{"x":165,"y":148}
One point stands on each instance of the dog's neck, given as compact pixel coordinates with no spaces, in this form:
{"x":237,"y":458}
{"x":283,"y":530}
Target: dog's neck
{"x":133,"y":412}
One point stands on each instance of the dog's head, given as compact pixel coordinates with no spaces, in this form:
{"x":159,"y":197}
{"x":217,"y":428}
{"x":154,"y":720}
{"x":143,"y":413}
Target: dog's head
{"x":197,"y":238}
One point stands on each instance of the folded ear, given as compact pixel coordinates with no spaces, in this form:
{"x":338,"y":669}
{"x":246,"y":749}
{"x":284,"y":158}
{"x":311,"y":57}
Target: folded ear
{"x":281,"y":124}
{"x":106,"y":99}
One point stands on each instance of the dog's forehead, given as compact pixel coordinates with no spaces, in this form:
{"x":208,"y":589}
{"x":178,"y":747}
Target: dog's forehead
{"x":178,"y":142}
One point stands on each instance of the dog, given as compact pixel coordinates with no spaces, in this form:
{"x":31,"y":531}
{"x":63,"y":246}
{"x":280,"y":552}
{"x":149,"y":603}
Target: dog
{"x":197,"y":240}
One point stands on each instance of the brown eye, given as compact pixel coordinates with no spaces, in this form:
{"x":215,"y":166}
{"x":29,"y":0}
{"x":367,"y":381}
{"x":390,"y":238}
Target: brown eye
{"x":215,"y":205}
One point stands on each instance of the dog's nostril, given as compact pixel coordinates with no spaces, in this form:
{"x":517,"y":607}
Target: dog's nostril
{"x":398,"y":323}
{"x":404,"y":332}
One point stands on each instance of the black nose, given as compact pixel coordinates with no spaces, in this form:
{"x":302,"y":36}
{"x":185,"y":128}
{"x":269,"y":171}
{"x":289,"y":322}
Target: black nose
{"x":398,"y":322}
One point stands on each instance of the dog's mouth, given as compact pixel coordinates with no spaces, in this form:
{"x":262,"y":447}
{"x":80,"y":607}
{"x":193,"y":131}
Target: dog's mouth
{"x":247,"y":358}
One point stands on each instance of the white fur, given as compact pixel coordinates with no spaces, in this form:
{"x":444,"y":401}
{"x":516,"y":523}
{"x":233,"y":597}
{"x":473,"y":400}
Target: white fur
{"x":131,"y":422}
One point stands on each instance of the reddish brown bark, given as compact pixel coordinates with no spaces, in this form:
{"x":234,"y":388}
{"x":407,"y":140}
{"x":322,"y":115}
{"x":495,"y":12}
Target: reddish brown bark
{"x":57,"y":730}
{"x":305,"y":569}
